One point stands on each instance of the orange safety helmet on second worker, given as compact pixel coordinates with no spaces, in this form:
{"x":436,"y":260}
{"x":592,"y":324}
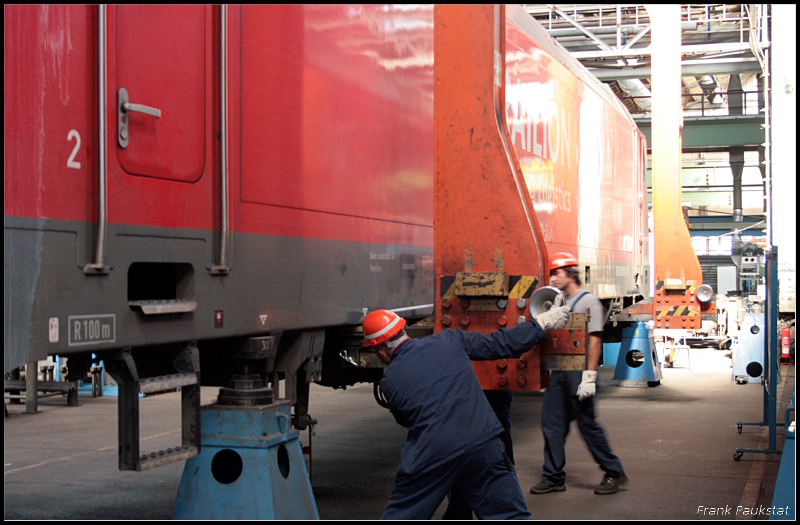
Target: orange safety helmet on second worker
{"x":380,"y":326}
{"x":562,"y":260}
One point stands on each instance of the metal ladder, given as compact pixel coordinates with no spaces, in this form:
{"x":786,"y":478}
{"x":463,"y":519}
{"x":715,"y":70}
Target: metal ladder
{"x":187,"y":378}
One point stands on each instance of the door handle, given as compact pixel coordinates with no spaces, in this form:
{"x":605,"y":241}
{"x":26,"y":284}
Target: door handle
{"x":123,"y":108}
{"x":141,"y":108}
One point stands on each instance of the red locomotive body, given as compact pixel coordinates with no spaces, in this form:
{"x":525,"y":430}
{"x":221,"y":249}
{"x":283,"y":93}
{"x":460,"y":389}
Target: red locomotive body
{"x":328,"y":172}
{"x":583,"y":159}
{"x":180,"y":174}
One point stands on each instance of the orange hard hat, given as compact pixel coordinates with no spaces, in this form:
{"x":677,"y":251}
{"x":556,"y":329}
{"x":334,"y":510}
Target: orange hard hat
{"x":562,"y":260}
{"x":380,"y":326}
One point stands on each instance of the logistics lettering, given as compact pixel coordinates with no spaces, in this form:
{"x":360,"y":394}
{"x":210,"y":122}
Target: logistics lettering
{"x":547,"y":195}
{"x":545,"y":131}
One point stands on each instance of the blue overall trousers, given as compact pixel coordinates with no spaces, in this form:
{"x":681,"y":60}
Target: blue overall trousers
{"x":561,"y":406}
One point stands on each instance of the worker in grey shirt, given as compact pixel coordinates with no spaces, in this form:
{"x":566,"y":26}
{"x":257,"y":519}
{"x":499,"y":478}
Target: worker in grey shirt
{"x":571,"y":393}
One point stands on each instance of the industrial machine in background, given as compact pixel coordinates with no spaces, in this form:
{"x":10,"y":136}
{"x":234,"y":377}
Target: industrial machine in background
{"x":741,"y":325}
{"x":740,"y":313}
{"x":748,"y":258}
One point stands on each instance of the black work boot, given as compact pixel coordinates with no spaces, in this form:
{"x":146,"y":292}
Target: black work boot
{"x":611,"y":484}
{"x":545,"y":487}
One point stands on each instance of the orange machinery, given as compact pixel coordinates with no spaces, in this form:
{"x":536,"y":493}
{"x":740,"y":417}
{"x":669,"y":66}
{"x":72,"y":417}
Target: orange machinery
{"x":680,"y":299}
{"x":489,"y":250}
{"x":514,"y":181}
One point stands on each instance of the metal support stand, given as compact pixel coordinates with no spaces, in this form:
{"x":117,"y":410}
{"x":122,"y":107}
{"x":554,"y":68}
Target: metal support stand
{"x":771,"y":376}
{"x":637,"y":363}
{"x":32,"y":388}
{"x":36,"y":389}
{"x":97,"y":381}
{"x":250,"y":467}
{"x":251,"y":463}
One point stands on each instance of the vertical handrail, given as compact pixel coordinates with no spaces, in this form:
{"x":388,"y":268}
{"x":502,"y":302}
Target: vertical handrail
{"x":99,"y":264}
{"x":222,"y":267}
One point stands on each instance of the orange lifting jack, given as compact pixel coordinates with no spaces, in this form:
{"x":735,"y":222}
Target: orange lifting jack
{"x":677,"y":270}
{"x":489,"y":252}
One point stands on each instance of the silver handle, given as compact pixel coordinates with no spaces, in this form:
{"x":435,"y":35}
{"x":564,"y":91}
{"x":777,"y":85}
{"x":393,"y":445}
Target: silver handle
{"x":123,"y":108}
{"x":141,"y":108}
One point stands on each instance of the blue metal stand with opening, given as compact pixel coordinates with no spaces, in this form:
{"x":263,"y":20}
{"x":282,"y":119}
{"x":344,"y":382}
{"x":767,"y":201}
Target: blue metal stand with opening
{"x":637,"y":363}
{"x":250,"y":466}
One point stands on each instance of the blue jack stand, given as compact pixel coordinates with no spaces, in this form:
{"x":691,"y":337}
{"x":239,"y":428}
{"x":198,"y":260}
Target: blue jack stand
{"x":637,"y":363}
{"x":250,"y":466}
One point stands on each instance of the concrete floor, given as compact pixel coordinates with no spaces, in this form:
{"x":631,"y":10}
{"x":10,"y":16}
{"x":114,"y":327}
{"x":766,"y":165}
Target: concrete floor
{"x":676,"y":441}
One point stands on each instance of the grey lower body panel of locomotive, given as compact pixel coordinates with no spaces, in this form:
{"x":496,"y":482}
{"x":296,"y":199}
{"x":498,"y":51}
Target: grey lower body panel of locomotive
{"x":160,"y":288}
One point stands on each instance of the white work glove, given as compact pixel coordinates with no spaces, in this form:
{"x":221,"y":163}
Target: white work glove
{"x":587,"y":387}
{"x":556,"y":318}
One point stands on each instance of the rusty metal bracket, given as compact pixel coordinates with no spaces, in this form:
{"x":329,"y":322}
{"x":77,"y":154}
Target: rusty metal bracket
{"x":481,"y":284}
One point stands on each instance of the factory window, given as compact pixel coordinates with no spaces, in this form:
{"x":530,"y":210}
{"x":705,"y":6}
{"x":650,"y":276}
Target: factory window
{"x":699,"y":245}
{"x":718,"y":245}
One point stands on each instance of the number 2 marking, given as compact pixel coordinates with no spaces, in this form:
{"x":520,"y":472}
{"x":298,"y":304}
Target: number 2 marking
{"x":71,"y":163}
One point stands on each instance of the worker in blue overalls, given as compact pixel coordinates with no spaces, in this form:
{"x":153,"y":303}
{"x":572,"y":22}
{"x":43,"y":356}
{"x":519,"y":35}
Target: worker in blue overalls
{"x":571,"y":393}
{"x":454,"y":437}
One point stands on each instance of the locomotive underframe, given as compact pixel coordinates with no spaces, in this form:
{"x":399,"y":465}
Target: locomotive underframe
{"x":160,"y":294}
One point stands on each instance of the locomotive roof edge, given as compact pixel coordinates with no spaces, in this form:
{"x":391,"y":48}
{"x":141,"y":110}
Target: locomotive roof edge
{"x":522,"y":19}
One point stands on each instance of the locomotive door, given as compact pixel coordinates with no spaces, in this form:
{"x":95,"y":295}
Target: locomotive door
{"x":160,"y":115}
